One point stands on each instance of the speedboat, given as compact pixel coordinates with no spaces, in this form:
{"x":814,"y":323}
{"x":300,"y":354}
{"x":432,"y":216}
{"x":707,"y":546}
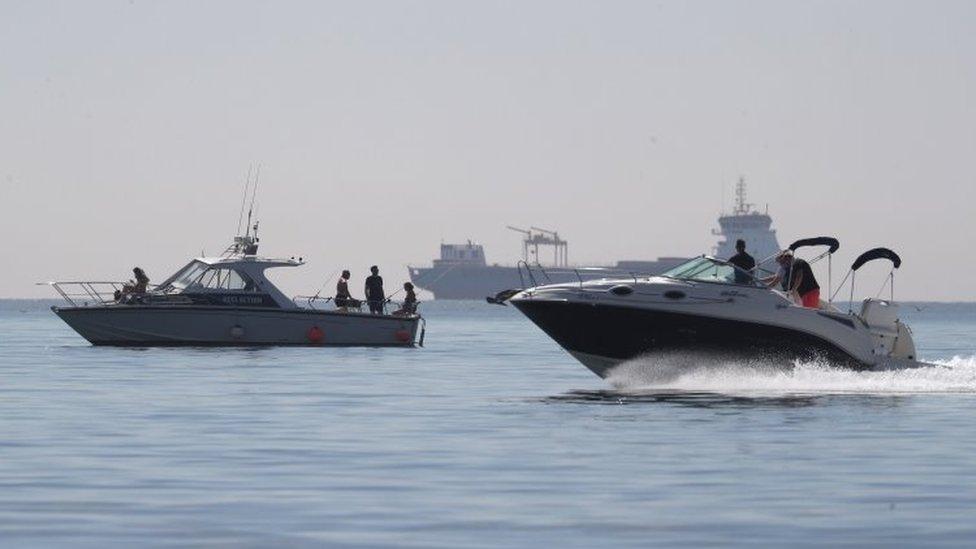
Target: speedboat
{"x":710,"y":307}
{"x":224,"y":301}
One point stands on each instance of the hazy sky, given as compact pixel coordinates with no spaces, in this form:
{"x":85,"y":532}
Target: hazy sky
{"x":383,"y":128}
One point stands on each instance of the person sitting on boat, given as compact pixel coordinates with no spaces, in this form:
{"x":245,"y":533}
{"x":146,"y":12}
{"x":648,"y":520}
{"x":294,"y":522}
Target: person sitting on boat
{"x":743,"y":261}
{"x":409,"y":305}
{"x":805,"y":284}
{"x":374,"y":291}
{"x":343,"y":299}
{"x":137,"y":287}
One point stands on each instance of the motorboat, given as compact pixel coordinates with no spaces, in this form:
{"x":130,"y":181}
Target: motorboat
{"x":225,"y":301}
{"x":710,"y":307}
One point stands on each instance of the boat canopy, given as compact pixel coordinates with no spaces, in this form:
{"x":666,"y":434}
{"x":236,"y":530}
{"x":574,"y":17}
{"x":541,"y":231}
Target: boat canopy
{"x":876,"y":253}
{"x":829,"y":241}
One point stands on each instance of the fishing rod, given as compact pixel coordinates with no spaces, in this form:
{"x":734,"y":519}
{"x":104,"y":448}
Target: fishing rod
{"x":327,"y":281}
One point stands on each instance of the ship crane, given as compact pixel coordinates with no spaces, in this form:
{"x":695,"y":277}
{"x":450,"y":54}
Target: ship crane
{"x":535,"y":237}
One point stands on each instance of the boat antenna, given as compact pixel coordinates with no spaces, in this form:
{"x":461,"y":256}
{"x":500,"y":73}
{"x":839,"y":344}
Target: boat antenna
{"x":247,"y":183}
{"x":254,"y":193}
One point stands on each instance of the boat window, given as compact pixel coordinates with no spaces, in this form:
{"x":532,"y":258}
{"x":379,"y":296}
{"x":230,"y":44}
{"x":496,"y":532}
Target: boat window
{"x":185,"y":277}
{"x":687,"y":267}
{"x":226,"y":279}
{"x":708,"y":269}
{"x":198,"y":276}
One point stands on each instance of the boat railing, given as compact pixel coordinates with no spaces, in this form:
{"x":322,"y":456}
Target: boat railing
{"x":534,"y":274}
{"x":316,"y":303}
{"x":527,"y":275}
{"x":310,"y":300}
{"x":84,"y":293}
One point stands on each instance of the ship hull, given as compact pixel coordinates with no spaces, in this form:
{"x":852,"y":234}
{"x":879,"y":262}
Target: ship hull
{"x":155,"y":326}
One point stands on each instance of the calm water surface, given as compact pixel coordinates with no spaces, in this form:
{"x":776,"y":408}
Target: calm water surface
{"x":490,"y":436}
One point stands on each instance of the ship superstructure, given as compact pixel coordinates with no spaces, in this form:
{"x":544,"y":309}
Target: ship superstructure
{"x":461,"y":254}
{"x":747,"y":223}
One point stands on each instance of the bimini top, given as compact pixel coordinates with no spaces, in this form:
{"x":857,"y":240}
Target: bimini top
{"x":832,"y":243}
{"x":876,"y":253}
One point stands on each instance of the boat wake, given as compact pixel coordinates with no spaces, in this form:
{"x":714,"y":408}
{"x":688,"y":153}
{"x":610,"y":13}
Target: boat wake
{"x":684,"y":372}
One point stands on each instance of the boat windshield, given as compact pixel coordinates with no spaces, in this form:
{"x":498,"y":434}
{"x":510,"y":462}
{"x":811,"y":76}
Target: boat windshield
{"x":709,"y":269}
{"x":184,"y":278}
{"x":200,"y":277}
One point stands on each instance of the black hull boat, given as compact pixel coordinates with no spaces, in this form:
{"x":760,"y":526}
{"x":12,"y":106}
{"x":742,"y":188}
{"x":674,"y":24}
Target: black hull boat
{"x":711,"y":308}
{"x":602,"y":336}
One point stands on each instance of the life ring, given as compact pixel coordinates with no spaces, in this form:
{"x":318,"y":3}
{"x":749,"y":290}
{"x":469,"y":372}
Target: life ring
{"x":315,"y":334}
{"x":402,"y":336}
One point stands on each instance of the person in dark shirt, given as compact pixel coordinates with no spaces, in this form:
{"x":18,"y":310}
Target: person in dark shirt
{"x":409,"y":306}
{"x":743,"y":261}
{"x":374,"y":291}
{"x":805,"y":284}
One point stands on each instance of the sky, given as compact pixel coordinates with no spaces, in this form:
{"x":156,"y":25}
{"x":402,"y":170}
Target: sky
{"x":385,"y":128}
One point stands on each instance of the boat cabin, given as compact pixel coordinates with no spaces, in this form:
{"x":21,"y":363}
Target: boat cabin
{"x":234,"y":281}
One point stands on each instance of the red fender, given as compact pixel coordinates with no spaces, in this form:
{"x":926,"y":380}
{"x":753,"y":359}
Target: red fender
{"x":315,"y":334}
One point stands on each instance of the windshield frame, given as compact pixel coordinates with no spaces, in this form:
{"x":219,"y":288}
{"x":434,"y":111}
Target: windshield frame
{"x":689,"y":270}
{"x":170,"y":286}
{"x":190,"y":279}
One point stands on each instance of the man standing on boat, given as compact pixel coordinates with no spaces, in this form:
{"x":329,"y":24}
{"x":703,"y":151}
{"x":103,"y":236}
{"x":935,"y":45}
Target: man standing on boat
{"x":374,"y":291}
{"x":805,"y":284}
{"x":743,"y":261}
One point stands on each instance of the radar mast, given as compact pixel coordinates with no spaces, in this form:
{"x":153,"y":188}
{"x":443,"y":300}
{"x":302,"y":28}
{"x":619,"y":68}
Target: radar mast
{"x":741,"y":206}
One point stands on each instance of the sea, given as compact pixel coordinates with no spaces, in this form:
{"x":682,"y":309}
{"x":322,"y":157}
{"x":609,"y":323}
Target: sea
{"x":488,"y":436}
